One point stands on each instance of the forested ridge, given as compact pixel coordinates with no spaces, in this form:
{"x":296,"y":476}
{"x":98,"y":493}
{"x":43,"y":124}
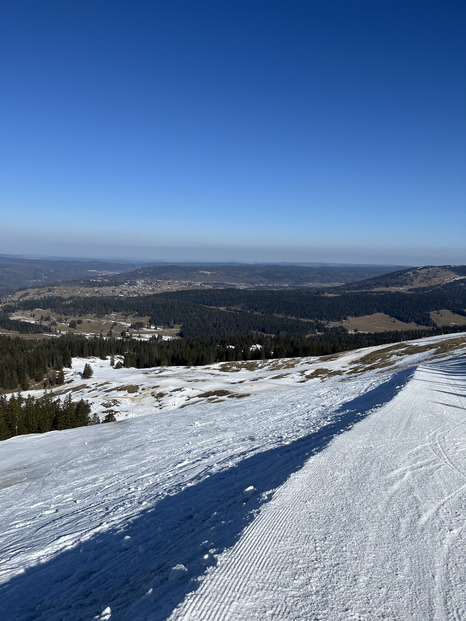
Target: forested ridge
{"x":411,"y":276}
{"x":222,"y":312}
{"x":265,"y":276}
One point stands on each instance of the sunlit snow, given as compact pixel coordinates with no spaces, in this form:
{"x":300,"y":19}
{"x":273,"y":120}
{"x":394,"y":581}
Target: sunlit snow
{"x":329,"y":489}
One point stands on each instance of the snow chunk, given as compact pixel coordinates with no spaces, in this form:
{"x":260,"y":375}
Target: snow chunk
{"x":178,"y":571}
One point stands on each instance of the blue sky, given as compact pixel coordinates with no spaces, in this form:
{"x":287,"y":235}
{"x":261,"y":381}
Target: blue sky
{"x":256,"y":130}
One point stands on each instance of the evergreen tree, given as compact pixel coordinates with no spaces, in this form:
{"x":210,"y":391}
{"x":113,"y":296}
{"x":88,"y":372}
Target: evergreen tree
{"x":87,"y":372}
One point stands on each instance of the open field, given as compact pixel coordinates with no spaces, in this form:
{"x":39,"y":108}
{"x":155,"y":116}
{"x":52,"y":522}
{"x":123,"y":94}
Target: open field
{"x":444,"y":317}
{"x":115,"y":324}
{"x":378,"y":322}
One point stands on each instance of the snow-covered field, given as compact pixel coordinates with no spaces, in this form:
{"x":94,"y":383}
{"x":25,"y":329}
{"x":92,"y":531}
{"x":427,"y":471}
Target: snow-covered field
{"x":330,"y":489}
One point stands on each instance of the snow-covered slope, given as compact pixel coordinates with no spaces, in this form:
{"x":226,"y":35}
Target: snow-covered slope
{"x":310,"y":489}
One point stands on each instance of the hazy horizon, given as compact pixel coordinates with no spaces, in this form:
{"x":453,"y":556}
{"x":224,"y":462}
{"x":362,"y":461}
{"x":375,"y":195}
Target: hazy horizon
{"x":247,"y":255}
{"x":202,"y":260}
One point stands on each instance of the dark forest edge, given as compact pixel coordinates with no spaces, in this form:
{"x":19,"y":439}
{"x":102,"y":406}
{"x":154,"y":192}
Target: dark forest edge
{"x":26,"y":364}
{"x":19,"y":415}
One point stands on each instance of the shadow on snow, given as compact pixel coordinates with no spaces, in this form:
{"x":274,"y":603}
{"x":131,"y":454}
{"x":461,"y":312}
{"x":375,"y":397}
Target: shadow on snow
{"x":129,"y":568}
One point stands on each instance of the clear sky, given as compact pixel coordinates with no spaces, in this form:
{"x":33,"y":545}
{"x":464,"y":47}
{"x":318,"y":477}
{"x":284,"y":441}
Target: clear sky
{"x":251,"y":130}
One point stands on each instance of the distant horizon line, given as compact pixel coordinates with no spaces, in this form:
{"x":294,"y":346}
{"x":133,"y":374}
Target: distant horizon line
{"x":147,"y":262}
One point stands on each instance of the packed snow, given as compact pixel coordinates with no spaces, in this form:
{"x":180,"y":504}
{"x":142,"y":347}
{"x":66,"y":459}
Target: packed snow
{"x":326,"y":489}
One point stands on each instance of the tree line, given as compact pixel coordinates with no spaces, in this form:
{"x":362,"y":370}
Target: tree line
{"x":24,"y":364}
{"x":23,"y":327}
{"x":19,"y":415}
{"x":25,"y":361}
{"x":226,"y":312}
{"x":199,"y":350}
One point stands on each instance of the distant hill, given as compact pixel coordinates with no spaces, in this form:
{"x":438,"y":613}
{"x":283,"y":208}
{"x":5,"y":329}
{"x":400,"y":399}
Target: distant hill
{"x":252,"y":276}
{"x":231,"y":300}
{"x":412,"y":279}
{"x":19,"y":272}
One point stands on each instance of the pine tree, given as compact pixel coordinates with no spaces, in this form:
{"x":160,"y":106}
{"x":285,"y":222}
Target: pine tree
{"x":87,"y":372}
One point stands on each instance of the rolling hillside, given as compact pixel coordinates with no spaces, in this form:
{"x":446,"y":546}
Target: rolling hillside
{"x":413,"y":279}
{"x":19,"y":272}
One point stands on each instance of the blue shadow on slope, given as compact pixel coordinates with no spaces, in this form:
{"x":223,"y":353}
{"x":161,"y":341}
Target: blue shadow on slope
{"x":129,"y":569}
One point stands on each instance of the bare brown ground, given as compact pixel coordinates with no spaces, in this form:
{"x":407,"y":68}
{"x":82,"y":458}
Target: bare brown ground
{"x":445,"y":317}
{"x":378,"y":322}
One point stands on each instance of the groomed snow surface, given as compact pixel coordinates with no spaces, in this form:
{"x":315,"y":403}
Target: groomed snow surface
{"x":329,"y":489}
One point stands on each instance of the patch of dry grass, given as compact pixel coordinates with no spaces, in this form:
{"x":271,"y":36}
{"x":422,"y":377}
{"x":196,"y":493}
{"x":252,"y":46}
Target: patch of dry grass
{"x":158,"y":396}
{"x":130,"y":388}
{"x":283,"y":364}
{"x":378,"y":322}
{"x":323,"y":373}
{"x":213,"y":393}
{"x":235,"y":367}
{"x":446,"y":347}
{"x":214,"y":396}
{"x":446,"y":318}
{"x":386,"y":357}
{"x":64,"y":391}
{"x":110,"y":404}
